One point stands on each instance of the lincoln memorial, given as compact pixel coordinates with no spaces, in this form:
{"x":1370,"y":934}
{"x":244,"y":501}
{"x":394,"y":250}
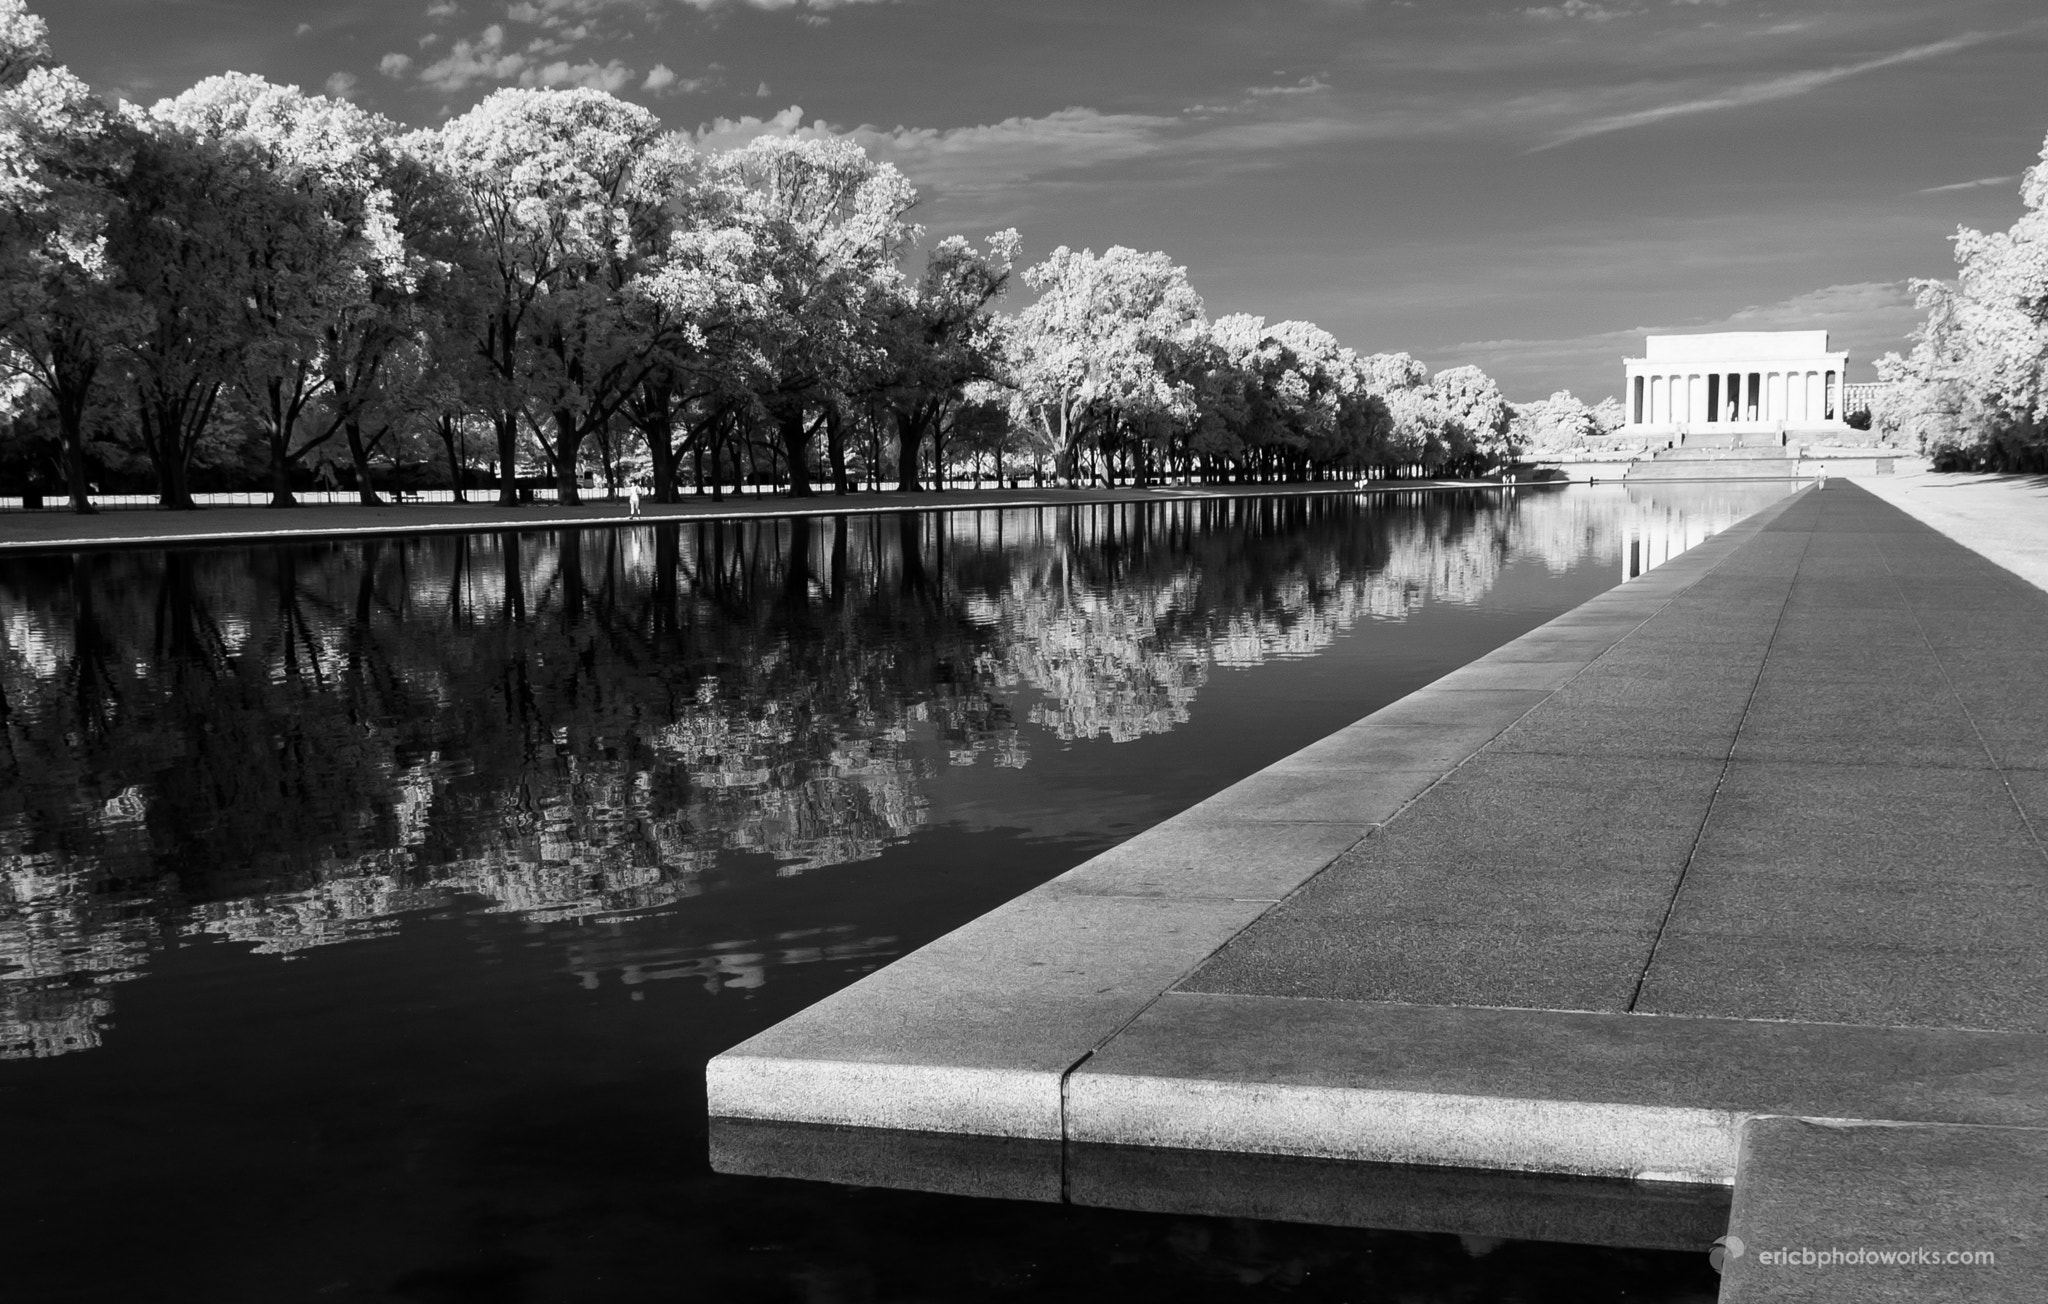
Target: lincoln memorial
{"x":1735,"y":382}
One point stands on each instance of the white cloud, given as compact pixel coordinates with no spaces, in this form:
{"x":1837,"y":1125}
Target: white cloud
{"x":611,"y":77}
{"x":987,"y":158}
{"x":443,"y":9}
{"x":1306,"y":86}
{"x":1980,"y":184}
{"x":395,"y":65}
{"x":761,"y":91}
{"x":731,"y":133}
{"x":706,"y":6}
{"x":663,"y":80}
{"x":1582,"y":9}
{"x":302,"y":29}
{"x":1760,"y":92}
{"x":341,"y":85}
{"x":484,"y":59}
{"x":975,"y":158}
{"x":998,"y":153}
{"x":1855,"y":307}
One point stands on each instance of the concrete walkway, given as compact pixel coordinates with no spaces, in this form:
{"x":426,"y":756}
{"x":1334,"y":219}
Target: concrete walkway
{"x":2004,"y":517}
{"x":1732,"y":877}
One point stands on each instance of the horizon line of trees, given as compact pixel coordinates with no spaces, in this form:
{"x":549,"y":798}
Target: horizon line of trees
{"x":248,"y":285}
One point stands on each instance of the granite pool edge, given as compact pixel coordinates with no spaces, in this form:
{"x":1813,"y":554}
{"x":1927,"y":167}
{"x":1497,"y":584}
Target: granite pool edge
{"x":978,"y":1032}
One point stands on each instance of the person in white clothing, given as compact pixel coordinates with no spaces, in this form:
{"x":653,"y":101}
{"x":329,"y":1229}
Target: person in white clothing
{"x":1820,"y":476}
{"x":632,"y":498}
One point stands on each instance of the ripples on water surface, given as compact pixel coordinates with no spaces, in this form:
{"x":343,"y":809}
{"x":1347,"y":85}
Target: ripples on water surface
{"x":368,"y":910}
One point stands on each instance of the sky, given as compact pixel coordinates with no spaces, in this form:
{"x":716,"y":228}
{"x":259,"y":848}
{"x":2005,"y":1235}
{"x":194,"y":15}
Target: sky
{"x":1529,"y":188}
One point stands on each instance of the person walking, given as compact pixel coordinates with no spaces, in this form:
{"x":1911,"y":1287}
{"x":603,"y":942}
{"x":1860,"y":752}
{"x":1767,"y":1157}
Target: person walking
{"x":1820,"y":476}
{"x":632,"y":497}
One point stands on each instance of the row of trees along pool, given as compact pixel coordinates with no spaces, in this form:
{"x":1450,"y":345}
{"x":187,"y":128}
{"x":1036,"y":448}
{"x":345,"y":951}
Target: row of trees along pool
{"x":248,"y":286}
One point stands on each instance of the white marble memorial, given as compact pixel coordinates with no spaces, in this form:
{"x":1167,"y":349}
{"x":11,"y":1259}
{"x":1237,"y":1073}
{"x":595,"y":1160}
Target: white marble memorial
{"x":1736,"y":383}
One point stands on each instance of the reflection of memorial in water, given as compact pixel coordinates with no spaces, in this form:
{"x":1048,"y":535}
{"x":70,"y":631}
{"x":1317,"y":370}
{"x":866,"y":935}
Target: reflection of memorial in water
{"x":292,"y":748}
{"x":1659,"y":524}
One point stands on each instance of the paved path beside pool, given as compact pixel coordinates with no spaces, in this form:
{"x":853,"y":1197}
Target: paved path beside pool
{"x":2005,"y":517}
{"x":1756,"y":837}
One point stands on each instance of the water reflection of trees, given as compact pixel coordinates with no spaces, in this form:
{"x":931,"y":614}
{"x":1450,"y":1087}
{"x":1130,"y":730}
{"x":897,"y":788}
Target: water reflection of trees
{"x":292,"y":747}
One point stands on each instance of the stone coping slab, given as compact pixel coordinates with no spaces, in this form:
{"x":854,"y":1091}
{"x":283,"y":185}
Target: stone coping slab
{"x":1611,"y":1095}
{"x":1885,"y":1214}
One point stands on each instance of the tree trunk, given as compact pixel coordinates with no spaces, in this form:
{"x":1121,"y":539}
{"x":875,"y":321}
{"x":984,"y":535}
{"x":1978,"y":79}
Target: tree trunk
{"x":174,"y":485}
{"x":160,"y":430}
{"x":73,"y":366}
{"x":280,"y":471}
{"x":278,"y":435}
{"x":795,"y":439}
{"x":608,"y":445}
{"x":568,"y":438}
{"x":910,"y":428}
{"x":507,"y":425}
{"x":835,"y":449}
{"x":359,"y":457}
{"x":661,"y":456}
{"x":71,"y":422}
{"x":445,"y":426}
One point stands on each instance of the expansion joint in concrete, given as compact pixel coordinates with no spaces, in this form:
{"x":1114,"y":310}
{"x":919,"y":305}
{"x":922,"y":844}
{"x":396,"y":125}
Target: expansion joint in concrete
{"x":1962,"y":705}
{"x":1720,"y":781}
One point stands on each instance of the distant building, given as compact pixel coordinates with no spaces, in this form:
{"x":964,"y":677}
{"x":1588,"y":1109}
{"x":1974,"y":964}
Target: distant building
{"x":1866,"y":397}
{"x":1736,"y":381}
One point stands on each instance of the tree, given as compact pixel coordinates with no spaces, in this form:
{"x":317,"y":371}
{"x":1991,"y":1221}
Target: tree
{"x":63,"y":161}
{"x":184,"y":237}
{"x":326,"y":261}
{"x":1110,"y":340}
{"x":830,"y":227}
{"x":545,"y":183}
{"x":697,"y":303}
{"x":1247,"y":408}
{"x":1974,"y":389}
{"x":938,"y":337}
{"x":1415,"y":422}
{"x":1476,"y":418}
{"x":1560,"y":422}
{"x":1339,"y":419}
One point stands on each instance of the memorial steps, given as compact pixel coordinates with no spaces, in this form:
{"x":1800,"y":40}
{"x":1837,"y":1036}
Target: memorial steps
{"x":1760,"y":454}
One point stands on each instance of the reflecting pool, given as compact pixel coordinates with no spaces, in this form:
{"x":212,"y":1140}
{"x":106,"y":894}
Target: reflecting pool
{"x":368,"y":910}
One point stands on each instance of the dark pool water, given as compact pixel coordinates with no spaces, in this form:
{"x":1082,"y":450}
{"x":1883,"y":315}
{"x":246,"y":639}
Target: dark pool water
{"x":368,"y":910}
